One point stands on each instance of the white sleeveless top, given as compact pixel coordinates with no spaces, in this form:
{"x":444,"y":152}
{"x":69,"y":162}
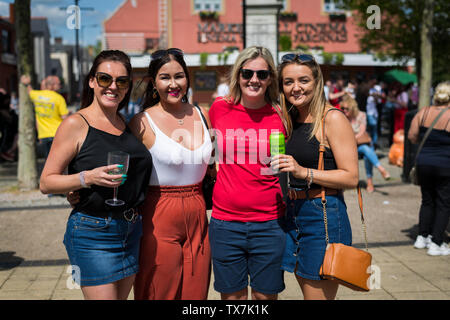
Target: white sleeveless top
{"x":174,"y":164}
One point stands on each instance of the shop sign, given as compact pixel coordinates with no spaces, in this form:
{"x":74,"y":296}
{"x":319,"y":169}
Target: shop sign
{"x":219,"y":32}
{"x":301,"y":32}
{"x":318,"y":32}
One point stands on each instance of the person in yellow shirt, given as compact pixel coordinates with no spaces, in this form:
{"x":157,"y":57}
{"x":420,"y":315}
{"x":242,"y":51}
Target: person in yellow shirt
{"x":50,"y":108}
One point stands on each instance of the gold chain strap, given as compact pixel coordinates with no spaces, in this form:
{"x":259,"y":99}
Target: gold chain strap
{"x":325,"y":219}
{"x":365,"y":235}
{"x":324,"y":200}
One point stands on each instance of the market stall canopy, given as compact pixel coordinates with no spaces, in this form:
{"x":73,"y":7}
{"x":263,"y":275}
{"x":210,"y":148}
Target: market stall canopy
{"x":400,"y":75}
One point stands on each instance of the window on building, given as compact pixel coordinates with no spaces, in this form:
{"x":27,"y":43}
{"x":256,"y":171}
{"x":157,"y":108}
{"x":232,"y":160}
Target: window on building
{"x":5,"y":41}
{"x":332,"y":6}
{"x":151,"y":43}
{"x":208,"y":5}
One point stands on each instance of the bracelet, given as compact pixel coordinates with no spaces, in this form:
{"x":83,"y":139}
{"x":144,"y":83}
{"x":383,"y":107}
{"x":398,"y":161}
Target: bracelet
{"x":310,"y":177}
{"x":82,"y":182}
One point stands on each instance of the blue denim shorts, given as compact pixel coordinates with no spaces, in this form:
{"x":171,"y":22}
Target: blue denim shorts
{"x":305,"y":233}
{"x":102,"y":250}
{"x":240,"y":249}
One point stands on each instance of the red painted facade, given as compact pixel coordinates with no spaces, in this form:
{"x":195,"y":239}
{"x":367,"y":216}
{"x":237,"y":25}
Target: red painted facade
{"x":129,"y":27}
{"x":154,"y":24}
{"x":315,"y":27}
{"x":8,"y":58}
{"x":142,"y":28}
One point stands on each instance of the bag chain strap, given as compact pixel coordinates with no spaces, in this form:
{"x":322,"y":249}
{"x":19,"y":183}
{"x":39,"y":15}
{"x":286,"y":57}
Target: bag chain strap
{"x":324,"y":200}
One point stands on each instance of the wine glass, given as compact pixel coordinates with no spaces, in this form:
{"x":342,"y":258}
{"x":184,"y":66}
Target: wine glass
{"x":117,"y":157}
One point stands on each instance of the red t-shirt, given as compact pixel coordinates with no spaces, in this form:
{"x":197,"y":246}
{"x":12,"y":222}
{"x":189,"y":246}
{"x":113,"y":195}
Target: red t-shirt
{"x":245,"y":190}
{"x":335,"y":102}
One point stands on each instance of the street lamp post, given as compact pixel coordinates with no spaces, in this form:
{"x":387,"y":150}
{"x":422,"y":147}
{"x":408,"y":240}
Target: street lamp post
{"x":77,"y":45}
{"x":83,"y":44}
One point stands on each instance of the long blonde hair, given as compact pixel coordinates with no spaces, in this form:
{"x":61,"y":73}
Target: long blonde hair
{"x":318,"y":103}
{"x":271,"y":94}
{"x":352,"y":105}
{"x":247,"y":54}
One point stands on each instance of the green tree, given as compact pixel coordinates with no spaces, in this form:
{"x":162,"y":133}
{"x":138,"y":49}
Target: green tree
{"x":399,"y":34}
{"x":27,"y":175}
{"x":94,"y":50}
{"x":285,"y":43}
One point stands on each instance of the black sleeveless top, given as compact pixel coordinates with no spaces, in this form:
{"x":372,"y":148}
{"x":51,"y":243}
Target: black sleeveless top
{"x":306,"y":152}
{"x":436,"y":149}
{"x":94,"y":153}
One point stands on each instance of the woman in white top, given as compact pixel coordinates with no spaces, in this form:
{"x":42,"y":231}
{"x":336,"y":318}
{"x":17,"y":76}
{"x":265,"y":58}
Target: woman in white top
{"x":174,"y":262}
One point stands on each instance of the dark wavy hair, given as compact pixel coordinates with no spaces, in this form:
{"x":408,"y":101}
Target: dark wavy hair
{"x":87,"y":95}
{"x":158,"y":59}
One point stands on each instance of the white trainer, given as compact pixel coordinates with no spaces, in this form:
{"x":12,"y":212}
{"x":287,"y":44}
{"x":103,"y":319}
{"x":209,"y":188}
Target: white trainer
{"x":422,"y":242}
{"x":435,"y":250}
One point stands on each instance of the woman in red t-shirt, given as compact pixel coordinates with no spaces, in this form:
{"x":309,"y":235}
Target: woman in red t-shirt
{"x":245,"y":235}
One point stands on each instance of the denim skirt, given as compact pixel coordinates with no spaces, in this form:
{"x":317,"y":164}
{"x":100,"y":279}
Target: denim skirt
{"x":305,"y":233}
{"x":102,"y":250}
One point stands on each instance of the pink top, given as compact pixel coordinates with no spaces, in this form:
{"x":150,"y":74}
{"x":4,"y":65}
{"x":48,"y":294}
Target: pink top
{"x":246,"y":189}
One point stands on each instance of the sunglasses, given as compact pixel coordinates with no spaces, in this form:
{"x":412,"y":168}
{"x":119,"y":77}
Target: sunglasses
{"x":163,"y":52}
{"x":345,"y":109}
{"x":247,"y":74}
{"x":104,"y":80}
{"x":302,"y":57}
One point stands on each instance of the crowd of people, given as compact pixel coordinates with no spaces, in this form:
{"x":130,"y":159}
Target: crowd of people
{"x":384,"y":103}
{"x":160,"y":242}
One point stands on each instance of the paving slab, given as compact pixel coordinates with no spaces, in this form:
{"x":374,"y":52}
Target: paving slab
{"x":422,"y":295}
{"x":396,"y":277}
{"x":34,"y":264}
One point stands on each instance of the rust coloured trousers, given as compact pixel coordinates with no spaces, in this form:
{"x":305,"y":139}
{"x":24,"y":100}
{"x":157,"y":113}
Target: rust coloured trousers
{"x":175,"y":256}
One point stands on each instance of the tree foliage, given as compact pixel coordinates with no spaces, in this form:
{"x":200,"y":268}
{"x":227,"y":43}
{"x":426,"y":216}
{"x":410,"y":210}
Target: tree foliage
{"x":399,"y":34}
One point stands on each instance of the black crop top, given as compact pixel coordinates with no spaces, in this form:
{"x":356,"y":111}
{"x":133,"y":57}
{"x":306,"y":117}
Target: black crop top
{"x":306,"y":152}
{"x":94,"y":153}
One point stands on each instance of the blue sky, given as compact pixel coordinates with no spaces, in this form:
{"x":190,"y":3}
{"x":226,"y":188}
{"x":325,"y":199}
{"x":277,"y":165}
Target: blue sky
{"x":91,"y":21}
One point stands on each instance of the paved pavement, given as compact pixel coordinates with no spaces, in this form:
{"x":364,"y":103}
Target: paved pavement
{"x":34,"y":264}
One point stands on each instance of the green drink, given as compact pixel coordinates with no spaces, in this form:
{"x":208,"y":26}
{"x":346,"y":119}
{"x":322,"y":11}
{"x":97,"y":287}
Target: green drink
{"x":277,"y":145}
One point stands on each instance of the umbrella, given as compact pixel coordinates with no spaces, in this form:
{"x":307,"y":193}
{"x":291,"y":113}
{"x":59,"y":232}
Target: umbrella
{"x":400,"y":75}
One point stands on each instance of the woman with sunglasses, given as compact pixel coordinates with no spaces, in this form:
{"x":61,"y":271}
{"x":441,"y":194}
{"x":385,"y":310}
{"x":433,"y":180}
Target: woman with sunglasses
{"x":175,"y":259}
{"x":102,"y":242}
{"x":301,"y":87}
{"x":246,"y":238}
{"x":358,"y":121}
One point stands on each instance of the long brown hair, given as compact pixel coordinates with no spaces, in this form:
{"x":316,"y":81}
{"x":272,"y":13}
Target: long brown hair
{"x":87,"y":95}
{"x":318,"y":102}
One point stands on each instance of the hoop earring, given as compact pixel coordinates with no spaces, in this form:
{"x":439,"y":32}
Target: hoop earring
{"x":155,"y":93}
